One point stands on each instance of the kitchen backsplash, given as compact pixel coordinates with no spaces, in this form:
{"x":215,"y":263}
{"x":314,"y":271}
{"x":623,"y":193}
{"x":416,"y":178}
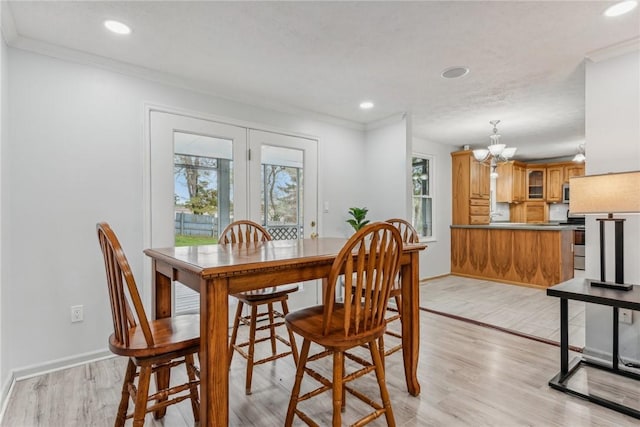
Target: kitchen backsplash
{"x":501,"y":212}
{"x":558,"y":211}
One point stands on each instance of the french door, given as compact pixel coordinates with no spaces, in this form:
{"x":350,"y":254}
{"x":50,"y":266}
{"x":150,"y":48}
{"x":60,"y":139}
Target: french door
{"x":205,"y":174}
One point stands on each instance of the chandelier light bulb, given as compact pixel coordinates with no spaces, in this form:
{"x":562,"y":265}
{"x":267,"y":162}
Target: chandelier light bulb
{"x":496,"y":151}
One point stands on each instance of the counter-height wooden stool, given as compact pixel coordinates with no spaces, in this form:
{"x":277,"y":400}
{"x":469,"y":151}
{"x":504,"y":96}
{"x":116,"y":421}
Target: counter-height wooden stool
{"x":247,"y":232}
{"x":150,"y":345}
{"x":369,"y":262}
{"x":409,"y":235}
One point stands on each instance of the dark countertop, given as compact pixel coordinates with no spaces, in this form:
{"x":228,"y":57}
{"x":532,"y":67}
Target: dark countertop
{"x":547,"y":226}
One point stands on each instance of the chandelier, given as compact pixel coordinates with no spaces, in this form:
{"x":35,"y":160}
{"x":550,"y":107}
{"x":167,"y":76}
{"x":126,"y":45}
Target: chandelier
{"x":496,"y":151}
{"x":580,"y":157}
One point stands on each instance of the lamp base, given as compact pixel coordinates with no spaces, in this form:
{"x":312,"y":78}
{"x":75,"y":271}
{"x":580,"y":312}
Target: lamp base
{"x":610,"y":285}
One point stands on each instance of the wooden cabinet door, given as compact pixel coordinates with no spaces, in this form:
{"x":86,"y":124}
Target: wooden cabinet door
{"x":555,"y":179}
{"x":573,"y":170}
{"x":535,"y":183}
{"x":474,"y":179}
{"x":485,"y":181}
{"x":519,"y":183}
{"x":460,"y":168}
{"x":504,"y":183}
{"x":536,"y":212}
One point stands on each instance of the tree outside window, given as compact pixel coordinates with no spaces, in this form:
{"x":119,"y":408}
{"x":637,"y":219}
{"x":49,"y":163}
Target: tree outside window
{"x":422,"y":195}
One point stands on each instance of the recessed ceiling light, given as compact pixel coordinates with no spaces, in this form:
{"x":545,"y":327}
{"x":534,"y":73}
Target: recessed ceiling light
{"x":621,"y":8}
{"x":117,"y":27}
{"x":454,"y":72}
{"x":366,"y":105}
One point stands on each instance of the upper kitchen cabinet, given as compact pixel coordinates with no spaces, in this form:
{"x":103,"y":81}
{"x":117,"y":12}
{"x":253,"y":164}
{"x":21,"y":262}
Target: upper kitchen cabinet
{"x":470,"y":188}
{"x":555,"y":179}
{"x":480,"y":180}
{"x":536,"y":179}
{"x":510,"y":184}
{"x":575,"y":169}
{"x":557,"y":175}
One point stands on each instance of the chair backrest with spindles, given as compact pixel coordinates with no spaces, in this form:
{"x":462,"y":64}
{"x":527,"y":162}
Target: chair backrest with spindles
{"x":244,"y":231}
{"x":407,"y":232}
{"x":369,"y":262}
{"x":121,"y":283}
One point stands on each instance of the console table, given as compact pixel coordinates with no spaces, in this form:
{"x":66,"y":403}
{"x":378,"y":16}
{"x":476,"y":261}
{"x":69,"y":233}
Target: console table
{"x":581,"y":290}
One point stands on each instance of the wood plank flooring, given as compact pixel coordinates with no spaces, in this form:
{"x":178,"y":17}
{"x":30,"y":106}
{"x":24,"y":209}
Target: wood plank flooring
{"x":526,"y":310}
{"x":470,"y":376}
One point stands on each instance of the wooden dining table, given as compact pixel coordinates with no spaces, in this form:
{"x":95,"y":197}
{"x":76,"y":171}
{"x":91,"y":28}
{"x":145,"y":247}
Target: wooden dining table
{"x":217,"y":271}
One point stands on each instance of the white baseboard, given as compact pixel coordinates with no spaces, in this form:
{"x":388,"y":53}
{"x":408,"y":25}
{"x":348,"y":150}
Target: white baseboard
{"x":45,"y":368}
{"x":59,"y":364}
{"x":5,"y":392}
{"x":604,"y":356}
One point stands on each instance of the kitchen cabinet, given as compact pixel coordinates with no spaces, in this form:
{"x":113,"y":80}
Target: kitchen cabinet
{"x":555,"y":179}
{"x":536,"y":178}
{"x":480,"y":180}
{"x":470,"y":189}
{"x":510,"y":184}
{"x":533,"y":256}
{"x":557,"y":175}
{"x":529,"y":212}
{"x":573,"y":170}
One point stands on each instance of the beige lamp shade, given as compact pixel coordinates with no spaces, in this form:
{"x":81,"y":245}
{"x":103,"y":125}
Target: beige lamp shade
{"x":607,"y":193}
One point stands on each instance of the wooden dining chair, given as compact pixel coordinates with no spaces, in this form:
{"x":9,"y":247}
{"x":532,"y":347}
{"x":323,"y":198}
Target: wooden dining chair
{"x":150,"y":345}
{"x":409,"y":235}
{"x":369,"y":261}
{"x":248,"y":232}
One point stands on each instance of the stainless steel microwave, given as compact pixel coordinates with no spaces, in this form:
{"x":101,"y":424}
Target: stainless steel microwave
{"x":565,"y":193}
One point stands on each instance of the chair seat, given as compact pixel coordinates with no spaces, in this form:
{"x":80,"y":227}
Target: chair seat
{"x":266,"y":293}
{"x":307,"y":323}
{"x":172,"y":334}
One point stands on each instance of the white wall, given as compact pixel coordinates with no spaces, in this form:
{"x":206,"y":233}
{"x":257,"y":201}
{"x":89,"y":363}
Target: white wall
{"x":4,"y":376}
{"x":436,"y":259}
{"x":613,"y":145}
{"x":386,"y":174}
{"x":75,"y":147}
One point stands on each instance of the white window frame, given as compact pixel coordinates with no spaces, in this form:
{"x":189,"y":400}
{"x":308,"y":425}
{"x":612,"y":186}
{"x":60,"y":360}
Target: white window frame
{"x":432,"y":193}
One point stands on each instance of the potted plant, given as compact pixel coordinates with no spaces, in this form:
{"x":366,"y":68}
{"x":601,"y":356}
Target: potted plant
{"x":358,"y":221}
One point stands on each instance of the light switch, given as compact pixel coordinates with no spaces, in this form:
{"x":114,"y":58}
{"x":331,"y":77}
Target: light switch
{"x":326,"y":207}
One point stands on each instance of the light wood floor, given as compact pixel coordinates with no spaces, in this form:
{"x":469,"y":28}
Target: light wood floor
{"x":470,"y":376}
{"x":518,"y":308}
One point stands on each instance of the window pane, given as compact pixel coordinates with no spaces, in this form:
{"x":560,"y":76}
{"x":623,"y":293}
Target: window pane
{"x":422,"y":215}
{"x":422,"y":220}
{"x":282,"y":192}
{"x":203,"y":171}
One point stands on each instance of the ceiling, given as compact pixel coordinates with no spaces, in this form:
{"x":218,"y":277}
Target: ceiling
{"x":527,"y":59}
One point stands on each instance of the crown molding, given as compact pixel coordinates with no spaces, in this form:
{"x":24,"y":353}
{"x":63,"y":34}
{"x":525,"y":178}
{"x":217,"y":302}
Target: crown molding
{"x":394,"y":118}
{"x":624,"y":47}
{"x":7,"y":24}
{"x":102,"y":62}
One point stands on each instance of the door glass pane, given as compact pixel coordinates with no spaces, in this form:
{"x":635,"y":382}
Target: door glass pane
{"x":281,"y":207}
{"x":203,"y":197}
{"x":203,"y":180}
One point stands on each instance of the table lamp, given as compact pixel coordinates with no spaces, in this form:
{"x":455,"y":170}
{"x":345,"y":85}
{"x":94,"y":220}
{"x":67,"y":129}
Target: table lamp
{"x":607,"y":194}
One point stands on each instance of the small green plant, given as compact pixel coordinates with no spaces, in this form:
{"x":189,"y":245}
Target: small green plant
{"x":358,"y":221}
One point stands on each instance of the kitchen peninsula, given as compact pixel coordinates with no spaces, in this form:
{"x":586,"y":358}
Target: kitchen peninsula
{"x":538,"y":255}
{"x":529,"y":251}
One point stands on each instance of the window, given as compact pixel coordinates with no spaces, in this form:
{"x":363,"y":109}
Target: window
{"x":422,"y":196}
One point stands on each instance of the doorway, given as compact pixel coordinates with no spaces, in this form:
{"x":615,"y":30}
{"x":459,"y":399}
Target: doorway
{"x":204,"y":174}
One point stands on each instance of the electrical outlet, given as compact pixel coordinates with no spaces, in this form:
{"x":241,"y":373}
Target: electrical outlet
{"x":77,"y":314}
{"x":625,"y":316}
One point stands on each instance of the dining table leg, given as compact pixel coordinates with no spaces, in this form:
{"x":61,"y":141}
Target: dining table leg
{"x":162,"y":308}
{"x":411,"y":322}
{"x":214,"y":354}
